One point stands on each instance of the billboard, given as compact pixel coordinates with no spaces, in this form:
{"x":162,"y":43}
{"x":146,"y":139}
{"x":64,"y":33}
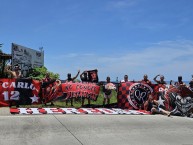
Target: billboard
{"x":26,"y":58}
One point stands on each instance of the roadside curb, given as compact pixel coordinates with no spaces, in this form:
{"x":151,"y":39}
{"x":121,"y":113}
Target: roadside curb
{"x":4,"y":111}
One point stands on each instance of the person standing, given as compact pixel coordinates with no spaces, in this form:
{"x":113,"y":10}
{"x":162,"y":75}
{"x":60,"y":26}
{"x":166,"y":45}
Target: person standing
{"x":161,"y":81}
{"x":191,"y":84}
{"x":146,"y":80}
{"x":14,"y":74}
{"x":47,"y":84}
{"x":125,"y":79}
{"x":71,"y":79}
{"x":107,"y":91}
{"x":180,"y":82}
{"x":84,"y":78}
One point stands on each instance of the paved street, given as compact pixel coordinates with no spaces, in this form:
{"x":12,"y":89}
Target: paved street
{"x":95,"y":130}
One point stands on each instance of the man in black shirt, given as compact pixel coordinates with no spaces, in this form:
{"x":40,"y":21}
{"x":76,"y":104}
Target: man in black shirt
{"x":70,"y":79}
{"x":84,"y":78}
{"x":161,"y":81}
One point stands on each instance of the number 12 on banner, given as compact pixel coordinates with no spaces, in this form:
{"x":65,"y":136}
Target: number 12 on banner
{"x":14,"y":95}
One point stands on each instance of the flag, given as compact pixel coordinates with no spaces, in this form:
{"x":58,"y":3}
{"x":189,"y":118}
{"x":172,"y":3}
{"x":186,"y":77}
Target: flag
{"x":180,"y":100}
{"x":86,"y":90}
{"x":19,"y":92}
{"x":93,"y":76}
{"x":133,"y":95}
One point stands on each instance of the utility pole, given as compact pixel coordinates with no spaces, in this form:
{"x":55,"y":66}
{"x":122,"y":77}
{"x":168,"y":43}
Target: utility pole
{"x":1,"y":45}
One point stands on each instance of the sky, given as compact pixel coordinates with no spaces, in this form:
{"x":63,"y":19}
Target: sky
{"x":117,"y":37}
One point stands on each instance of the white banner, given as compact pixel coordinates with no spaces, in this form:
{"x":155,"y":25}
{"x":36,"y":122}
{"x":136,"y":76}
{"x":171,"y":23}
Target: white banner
{"x":95,"y":111}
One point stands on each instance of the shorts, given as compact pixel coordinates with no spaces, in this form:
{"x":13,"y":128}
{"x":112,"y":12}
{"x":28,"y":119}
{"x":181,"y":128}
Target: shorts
{"x":107,"y":96}
{"x":158,"y":110}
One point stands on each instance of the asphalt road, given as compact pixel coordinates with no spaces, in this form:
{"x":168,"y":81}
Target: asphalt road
{"x":95,"y":130}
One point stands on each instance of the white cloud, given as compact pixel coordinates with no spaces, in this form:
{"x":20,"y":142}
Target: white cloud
{"x":170,"y":58}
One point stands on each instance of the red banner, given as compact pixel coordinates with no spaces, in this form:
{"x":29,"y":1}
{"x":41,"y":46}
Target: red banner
{"x":178,"y":99}
{"x":28,"y":91}
{"x":19,"y":91}
{"x":133,"y":95}
{"x":88,"y":90}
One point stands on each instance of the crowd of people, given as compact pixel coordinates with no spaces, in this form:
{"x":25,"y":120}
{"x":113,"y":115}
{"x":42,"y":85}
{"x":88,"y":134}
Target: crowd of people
{"x":151,"y":104}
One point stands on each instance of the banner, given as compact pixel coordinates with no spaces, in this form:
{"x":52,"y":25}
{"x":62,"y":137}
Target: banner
{"x":106,"y":111}
{"x":133,"y":95}
{"x":90,"y":76}
{"x":87,"y":90}
{"x":177,"y":99}
{"x":160,"y":95}
{"x":27,"y":91}
{"x":180,"y":100}
{"x":52,"y":91}
{"x":19,"y":92}
{"x":93,"y":76}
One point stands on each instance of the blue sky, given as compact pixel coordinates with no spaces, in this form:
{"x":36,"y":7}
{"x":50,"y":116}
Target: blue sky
{"x":117,"y":37}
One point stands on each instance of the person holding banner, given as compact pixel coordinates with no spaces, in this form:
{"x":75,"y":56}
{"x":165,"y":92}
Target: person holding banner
{"x":70,"y":79}
{"x":14,"y":74}
{"x":47,"y":85}
{"x":107,"y":89}
{"x":161,"y":81}
{"x":191,"y":85}
{"x":148,"y":105}
{"x":146,"y":80}
{"x":154,"y":107}
{"x":180,"y":82}
{"x":84,"y":78}
{"x":125,"y":79}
